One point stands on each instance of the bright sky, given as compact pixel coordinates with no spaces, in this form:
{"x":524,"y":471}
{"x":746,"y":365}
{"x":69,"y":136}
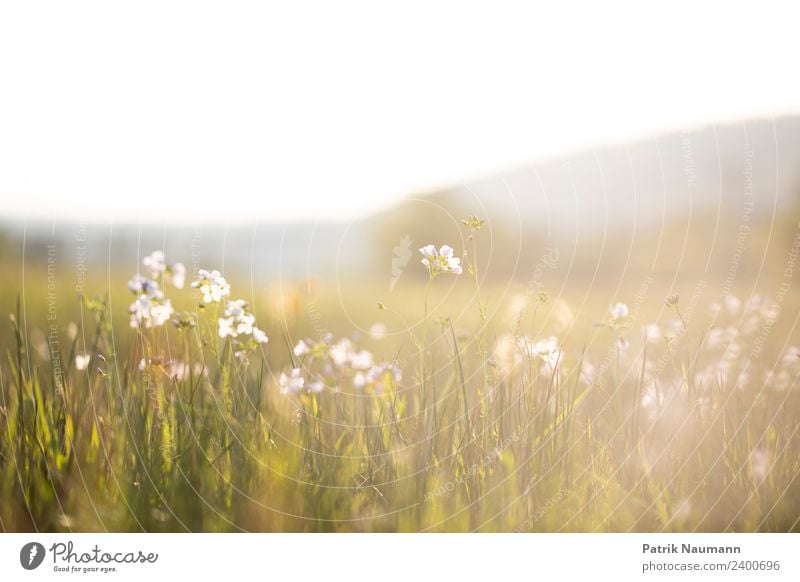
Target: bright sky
{"x":162,"y":111}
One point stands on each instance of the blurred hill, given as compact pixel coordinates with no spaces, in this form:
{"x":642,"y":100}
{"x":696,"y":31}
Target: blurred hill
{"x":675,"y":201}
{"x":690,"y":201}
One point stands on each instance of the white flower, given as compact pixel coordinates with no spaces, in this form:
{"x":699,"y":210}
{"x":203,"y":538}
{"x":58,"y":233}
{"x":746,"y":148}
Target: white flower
{"x":791,"y":357}
{"x":260,"y":336}
{"x":140,"y":310}
{"x":82,"y":361}
{"x":732,"y":304}
{"x":441,"y":261}
{"x":340,"y":352}
{"x":160,"y":313}
{"x":157,"y":266}
{"x":155,"y":263}
{"x":177,"y":370}
{"x":301,"y":349}
{"x":377,"y":331}
{"x":237,"y":320}
{"x":361,"y":360}
{"x":378,"y":376}
{"x":343,"y":353}
{"x":360,"y":380}
{"x":719,"y":337}
{"x":176,"y":273}
{"x":618,"y":311}
{"x":545,"y":350}
{"x":759,"y":464}
{"x":293,"y":383}
{"x":226,"y":327}
{"x":316,"y":387}
{"x":150,"y":311}
{"x":212,"y":285}
{"x":150,"y":308}
{"x":674,"y":328}
{"x":587,"y":372}
{"x":143,"y":285}
{"x":652,"y":332}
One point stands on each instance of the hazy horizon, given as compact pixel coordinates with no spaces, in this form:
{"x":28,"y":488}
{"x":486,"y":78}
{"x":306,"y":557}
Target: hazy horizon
{"x":166,"y":132}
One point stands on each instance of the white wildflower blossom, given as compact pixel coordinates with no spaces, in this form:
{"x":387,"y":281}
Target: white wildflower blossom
{"x":144,"y":286}
{"x":340,"y":352}
{"x":82,"y":361}
{"x":760,"y":464}
{"x":157,"y":266}
{"x":293,"y":383}
{"x":176,"y":274}
{"x":301,"y":349}
{"x":441,"y":261}
{"x":732,"y":304}
{"x":618,"y":311}
{"x":588,"y":373}
{"x":212,"y":285}
{"x":259,"y":336}
{"x":378,"y":377}
{"x":161,"y":312}
{"x":237,"y":320}
{"x":508,"y":353}
{"x":719,"y":337}
{"x":546,"y":350}
{"x":361,"y":360}
{"x":377,"y":331}
{"x":778,"y":380}
{"x":150,"y":311}
{"x":673,"y":328}
{"x":791,"y":357}
{"x":360,"y":380}
{"x":652,"y":332}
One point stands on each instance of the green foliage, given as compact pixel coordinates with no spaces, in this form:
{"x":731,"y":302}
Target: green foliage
{"x":167,"y":430}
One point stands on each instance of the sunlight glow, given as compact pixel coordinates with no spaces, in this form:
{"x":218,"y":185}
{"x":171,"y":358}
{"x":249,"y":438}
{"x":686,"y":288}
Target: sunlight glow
{"x":188,"y":111}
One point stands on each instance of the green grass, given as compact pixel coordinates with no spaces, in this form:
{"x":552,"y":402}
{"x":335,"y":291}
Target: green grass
{"x":475,"y":437}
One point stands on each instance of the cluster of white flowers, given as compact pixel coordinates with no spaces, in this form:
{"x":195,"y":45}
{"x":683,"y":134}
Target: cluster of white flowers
{"x":511,"y":352}
{"x":441,"y":261}
{"x":159,"y":268}
{"x":150,"y":308}
{"x":618,"y":320}
{"x":760,"y":464}
{"x":652,"y":333}
{"x":377,"y":376}
{"x":175,"y":370}
{"x":730,"y":303}
{"x":82,"y":361}
{"x":292,"y":383}
{"x":546,"y":350}
{"x":212,"y":285}
{"x":337,"y":365}
{"x":618,"y":311}
{"x":784,"y":376}
{"x":238,"y":321}
{"x":726,"y":345}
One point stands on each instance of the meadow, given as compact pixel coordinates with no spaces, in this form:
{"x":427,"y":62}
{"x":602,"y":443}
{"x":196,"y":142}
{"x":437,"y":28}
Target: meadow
{"x":165,"y":401}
